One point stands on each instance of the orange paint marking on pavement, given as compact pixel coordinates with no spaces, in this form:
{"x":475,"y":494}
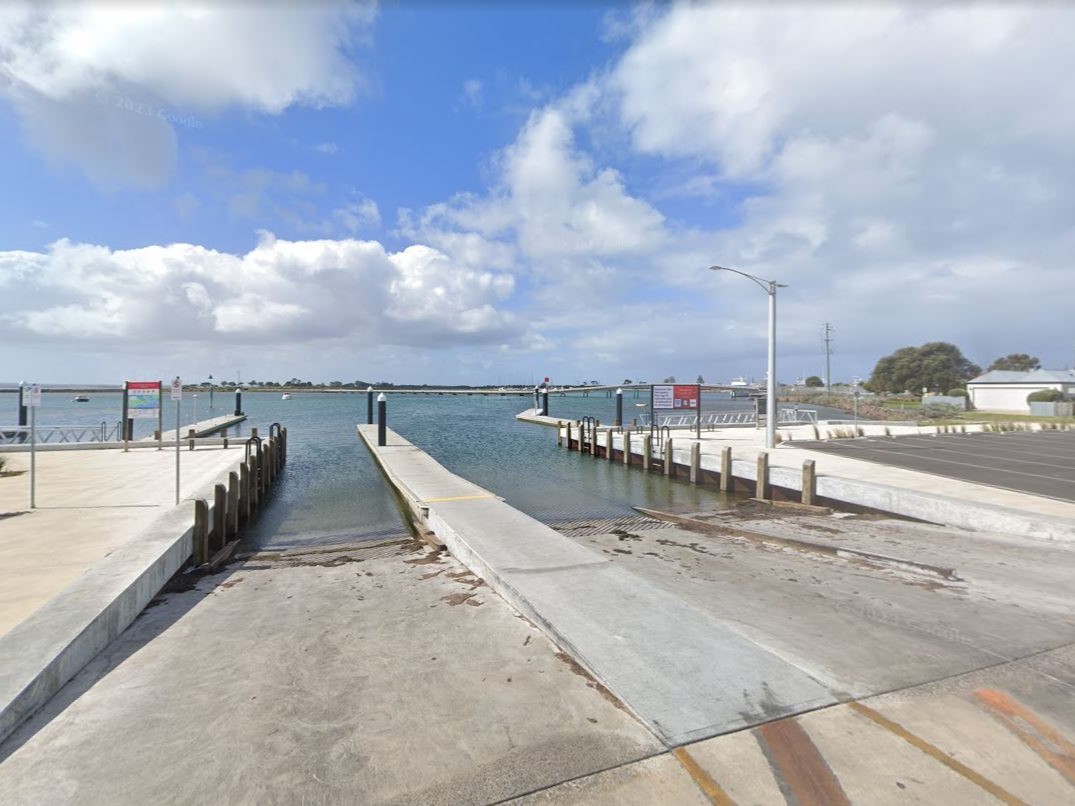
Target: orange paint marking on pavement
{"x":801,"y":771}
{"x":994,"y":789}
{"x":702,"y":778}
{"x":1035,"y":732}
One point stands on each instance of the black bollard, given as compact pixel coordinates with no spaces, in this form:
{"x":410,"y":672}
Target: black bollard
{"x":619,"y":407}
{"x":369,"y":406}
{"x":382,"y":416}
{"x":22,"y":404}
{"x":238,"y":402}
{"x":545,"y":402}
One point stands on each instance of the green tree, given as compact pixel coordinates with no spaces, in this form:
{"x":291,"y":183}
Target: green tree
{"x":700,"y":379}
{"x":936,"y":365}
{"x":1016,"y":362}
{"x":670,"y":379}
{"x":814,"y":382}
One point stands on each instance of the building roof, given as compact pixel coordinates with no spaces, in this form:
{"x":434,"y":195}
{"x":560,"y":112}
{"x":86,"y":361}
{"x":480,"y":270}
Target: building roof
{"x":1034,"y":377}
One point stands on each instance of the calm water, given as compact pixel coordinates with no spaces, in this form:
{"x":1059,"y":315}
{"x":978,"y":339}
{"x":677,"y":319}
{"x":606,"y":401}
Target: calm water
{"x":331,"y":491}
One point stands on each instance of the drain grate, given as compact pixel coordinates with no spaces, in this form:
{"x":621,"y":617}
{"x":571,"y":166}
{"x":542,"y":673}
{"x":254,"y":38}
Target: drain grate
{"x":600,"y":526}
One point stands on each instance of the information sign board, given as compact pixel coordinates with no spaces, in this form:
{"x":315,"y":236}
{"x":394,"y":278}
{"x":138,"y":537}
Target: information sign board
{"x":676,"y":396}
{"x":35,"y":396}
{"x":143,"y":399}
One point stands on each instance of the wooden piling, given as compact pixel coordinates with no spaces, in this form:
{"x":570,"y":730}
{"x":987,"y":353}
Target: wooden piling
{"x":569,"y":436}
{"x":668,"y":457}
{"x":252,"y":464}
{"x":244,"y":492}
{"x":233,"y":505}
{"x":190,"y":435}
{"x":696,"y":462}
{"x":647,"y":449}
{"x":726,"y":481}
{"x":627,"y":448}
{"x":809,"y":482}
{"x":608,"y":444}
{"x":761,"y":484}
{"x":559,"y":434}
{"x":220,"y":524}
{"x":201,"y":532}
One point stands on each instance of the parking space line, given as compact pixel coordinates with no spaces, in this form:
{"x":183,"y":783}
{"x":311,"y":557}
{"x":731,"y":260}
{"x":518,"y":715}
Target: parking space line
{"x":936,"y":753}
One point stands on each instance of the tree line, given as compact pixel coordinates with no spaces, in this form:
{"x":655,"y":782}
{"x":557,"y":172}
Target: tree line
{"x":937,"y":367}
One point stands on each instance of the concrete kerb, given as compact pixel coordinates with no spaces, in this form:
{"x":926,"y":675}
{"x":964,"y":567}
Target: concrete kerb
{"x":905,"y":502}
{"x":45,"y":651}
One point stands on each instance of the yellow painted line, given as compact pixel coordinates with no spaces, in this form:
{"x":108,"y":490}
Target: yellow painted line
{"x":1037,"y":734}
{"x":456,"y":498}
{"x":702,"y":778}
{"x":936,"y":753}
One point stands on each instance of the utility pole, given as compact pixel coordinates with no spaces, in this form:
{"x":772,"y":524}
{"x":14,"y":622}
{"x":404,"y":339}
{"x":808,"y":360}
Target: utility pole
{"x":827,"y":331}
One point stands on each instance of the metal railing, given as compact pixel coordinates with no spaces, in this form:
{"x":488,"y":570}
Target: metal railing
{"x":55,"y":434}
{"x":716,"y":418}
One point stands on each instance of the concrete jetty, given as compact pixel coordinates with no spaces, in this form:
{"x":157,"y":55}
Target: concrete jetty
{"x":679,"y":670}
{"x":840,"y":479}
{"x":105,"y":536}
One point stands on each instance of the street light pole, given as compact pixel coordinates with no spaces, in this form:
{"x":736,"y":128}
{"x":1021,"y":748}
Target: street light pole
{"x":769,"y":286}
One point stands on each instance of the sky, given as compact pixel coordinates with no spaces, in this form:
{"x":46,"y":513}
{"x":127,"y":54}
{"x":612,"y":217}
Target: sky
{"x":495,"y":193}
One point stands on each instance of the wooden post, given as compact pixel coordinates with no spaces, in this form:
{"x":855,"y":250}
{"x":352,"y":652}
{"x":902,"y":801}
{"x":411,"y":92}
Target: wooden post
{"x":668,"y":457}
{"x":254,"y":498}
{"x":647,"y":449}
{"x":696,"y":462}
{"x":559,"y":434}
{"x":761,"y":485}
{"x":201,"y":532}
{"x":270,"y":457}
{"x":809,"y":482}
{"x":190,"y":436}
{"x":726,"y":482}
{"x":627,"y":448}
{"x":283,"y":445}
{"x":220,"y":509}
{"x":569,"y":436}
{"x":244,"y":492}
{"x":233,"y":505}
{"x":608,"y":444}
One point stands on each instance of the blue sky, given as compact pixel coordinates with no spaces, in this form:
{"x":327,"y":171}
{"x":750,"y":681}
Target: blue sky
{"x":485,"y":192}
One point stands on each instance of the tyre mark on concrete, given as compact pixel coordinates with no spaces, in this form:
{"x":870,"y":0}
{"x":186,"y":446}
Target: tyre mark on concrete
{"x":802,"y":773}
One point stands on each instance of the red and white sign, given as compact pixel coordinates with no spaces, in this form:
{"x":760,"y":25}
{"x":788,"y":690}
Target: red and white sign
{"x":679,"y":396}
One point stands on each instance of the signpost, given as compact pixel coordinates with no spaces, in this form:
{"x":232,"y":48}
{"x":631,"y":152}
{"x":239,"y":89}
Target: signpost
{"x":35,"y":404}
{"x":677,"y":397}
{"x":177,"y":396}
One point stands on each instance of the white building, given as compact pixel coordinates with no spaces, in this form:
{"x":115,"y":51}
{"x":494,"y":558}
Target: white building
{"x":1006,"y":391}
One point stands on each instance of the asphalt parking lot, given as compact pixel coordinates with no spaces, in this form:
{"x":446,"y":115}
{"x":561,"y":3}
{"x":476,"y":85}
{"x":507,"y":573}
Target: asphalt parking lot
{"x":1040,"y":462}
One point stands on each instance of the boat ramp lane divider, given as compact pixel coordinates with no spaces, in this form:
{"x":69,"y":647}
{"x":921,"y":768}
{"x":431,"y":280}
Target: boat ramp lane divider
{"x":42,"y":653}
{"x":681,"y":457}
{"x":685,"y":673}
{"x":203,"y":428}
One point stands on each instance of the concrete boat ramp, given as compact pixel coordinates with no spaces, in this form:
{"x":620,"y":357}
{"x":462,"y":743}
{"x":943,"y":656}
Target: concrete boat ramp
{"x":684,"y":673}
{"x":749,"y":655}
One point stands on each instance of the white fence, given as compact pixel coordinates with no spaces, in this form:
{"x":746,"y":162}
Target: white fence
{"x":791,"y":416}
{"x":55,"y":434}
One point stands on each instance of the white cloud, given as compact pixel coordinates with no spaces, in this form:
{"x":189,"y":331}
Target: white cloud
{"x":97,"y":85}
{"x":280,"y":292}
{"x":473,"y":93}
